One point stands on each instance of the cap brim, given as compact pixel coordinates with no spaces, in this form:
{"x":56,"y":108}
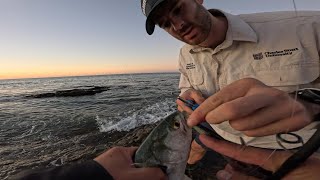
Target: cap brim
{"x":150,"y":25}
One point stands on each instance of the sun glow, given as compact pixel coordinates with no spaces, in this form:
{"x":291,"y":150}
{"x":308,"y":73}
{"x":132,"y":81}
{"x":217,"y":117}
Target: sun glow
{"x":51,"y":70}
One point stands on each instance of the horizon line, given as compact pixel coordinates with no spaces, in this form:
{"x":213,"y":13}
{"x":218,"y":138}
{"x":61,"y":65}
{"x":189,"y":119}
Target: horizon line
{"x":63,"y":76}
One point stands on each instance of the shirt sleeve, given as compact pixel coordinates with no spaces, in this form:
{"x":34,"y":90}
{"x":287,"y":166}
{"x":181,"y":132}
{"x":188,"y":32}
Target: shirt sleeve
{"x":87,"y":170}
{"x":317,"y":35}
{"x":184,"y":83}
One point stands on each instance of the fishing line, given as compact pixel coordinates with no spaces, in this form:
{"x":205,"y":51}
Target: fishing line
{"x":279,"y":137}
{"x":304,"y":152}
{"x":280,"y":140}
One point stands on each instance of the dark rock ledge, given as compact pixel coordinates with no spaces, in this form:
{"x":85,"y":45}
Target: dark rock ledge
{"x":71,"y":92}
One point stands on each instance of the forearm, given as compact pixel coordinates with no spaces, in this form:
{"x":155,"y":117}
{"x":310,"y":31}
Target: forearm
{"x":87,"y":170}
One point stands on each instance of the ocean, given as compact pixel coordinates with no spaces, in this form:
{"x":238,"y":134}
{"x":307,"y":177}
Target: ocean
{"x":49,"y":131}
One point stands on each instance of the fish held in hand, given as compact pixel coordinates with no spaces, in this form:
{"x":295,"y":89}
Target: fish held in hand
{"x":167,"y":146}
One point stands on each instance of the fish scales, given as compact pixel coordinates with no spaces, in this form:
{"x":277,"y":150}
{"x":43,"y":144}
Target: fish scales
{"x":168,"y":146}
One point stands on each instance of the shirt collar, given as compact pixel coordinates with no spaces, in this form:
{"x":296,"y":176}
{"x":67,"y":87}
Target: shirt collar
{"x":238,"y":30}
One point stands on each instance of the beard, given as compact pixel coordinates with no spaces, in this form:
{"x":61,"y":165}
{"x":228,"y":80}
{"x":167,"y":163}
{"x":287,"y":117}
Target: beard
{"x":202,"y":23}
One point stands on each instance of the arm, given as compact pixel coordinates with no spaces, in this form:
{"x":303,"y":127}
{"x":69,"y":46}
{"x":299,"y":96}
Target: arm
{"x":87,"y":170}
{"x":267,"y":159}
{"x":115,"y":163}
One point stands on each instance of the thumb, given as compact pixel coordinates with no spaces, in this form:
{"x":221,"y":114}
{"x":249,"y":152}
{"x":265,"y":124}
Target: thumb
{"x":230,"y":174}
{"x":199,"y":99}
{"x":267,"y":159}
{"x":130,"y":150}
{"x":235,"y":175}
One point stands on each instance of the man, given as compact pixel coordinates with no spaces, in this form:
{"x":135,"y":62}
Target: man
{"x":248,"y":55}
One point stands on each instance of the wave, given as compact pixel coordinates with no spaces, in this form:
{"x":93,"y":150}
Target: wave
{"x":149,"y":115}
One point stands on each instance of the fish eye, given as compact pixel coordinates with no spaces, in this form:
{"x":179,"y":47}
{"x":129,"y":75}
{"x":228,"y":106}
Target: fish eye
{"x":176,"y":125}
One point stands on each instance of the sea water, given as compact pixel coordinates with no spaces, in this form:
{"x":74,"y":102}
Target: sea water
{"x":48,"y":131}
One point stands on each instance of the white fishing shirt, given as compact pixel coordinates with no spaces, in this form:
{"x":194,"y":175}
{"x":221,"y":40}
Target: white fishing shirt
{"x":281,"y":49}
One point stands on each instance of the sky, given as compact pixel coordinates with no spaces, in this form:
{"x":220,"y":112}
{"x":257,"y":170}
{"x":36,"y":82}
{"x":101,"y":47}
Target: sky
{"x":50,"y":38}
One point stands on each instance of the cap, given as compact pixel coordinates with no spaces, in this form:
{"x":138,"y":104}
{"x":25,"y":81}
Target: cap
{"x":147,"y":7}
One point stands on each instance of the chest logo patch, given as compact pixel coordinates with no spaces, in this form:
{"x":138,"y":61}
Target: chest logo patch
{"x":269,"y":54}
{"x":190,"y":66}
{"x":258,"y":56}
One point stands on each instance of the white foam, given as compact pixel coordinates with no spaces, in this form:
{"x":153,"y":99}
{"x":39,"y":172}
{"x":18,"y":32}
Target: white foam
{"x":148,"y":115}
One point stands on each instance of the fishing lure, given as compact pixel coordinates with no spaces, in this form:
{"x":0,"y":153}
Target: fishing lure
{"x":193,"y":105}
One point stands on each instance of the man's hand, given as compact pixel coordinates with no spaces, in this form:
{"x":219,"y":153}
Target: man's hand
{"x":253,"y":108}
{"x":190,"y":94}
{"x":267,"y":159}
{"x":118,"y":162}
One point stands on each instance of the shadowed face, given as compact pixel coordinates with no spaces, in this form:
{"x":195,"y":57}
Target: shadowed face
{"x":186,"y":20}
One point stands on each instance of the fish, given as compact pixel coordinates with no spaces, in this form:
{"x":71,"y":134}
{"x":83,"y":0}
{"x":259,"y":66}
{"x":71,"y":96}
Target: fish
{"x":167,"y":146}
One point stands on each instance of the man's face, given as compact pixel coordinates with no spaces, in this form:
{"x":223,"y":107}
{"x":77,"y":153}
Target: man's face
{"x":186,"y":20}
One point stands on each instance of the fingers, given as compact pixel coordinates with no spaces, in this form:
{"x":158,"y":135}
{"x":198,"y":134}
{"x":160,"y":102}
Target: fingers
{"x":198,"y":98}
{"x":232,"y":91}
{"x":238,"y":108}
{"x":190,"y":94}
{"x":264,"y":158}
{"x":277,"y":113}
{"x":183,"y":107}
{"x":282,"y":126}
{"x":147,"y":173}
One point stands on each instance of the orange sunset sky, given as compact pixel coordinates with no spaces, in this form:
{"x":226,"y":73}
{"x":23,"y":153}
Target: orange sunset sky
{"x":52,"y":38}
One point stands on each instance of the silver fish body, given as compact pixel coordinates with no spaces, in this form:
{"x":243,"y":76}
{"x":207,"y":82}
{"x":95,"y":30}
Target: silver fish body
{"x":168,"y":145}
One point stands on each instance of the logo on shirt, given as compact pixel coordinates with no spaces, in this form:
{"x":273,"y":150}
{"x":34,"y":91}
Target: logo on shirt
{"x":284,"y":52}
{"x":269,"y":54}
{"x":258,"y":56}
{"x":190,"y":66}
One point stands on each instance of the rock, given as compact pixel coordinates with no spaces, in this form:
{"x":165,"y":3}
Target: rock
{"x":71,"y":92}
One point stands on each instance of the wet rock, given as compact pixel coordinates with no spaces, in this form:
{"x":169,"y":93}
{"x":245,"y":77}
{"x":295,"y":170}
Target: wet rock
{"x":71,"y":92}
{"x":42,"y":95}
